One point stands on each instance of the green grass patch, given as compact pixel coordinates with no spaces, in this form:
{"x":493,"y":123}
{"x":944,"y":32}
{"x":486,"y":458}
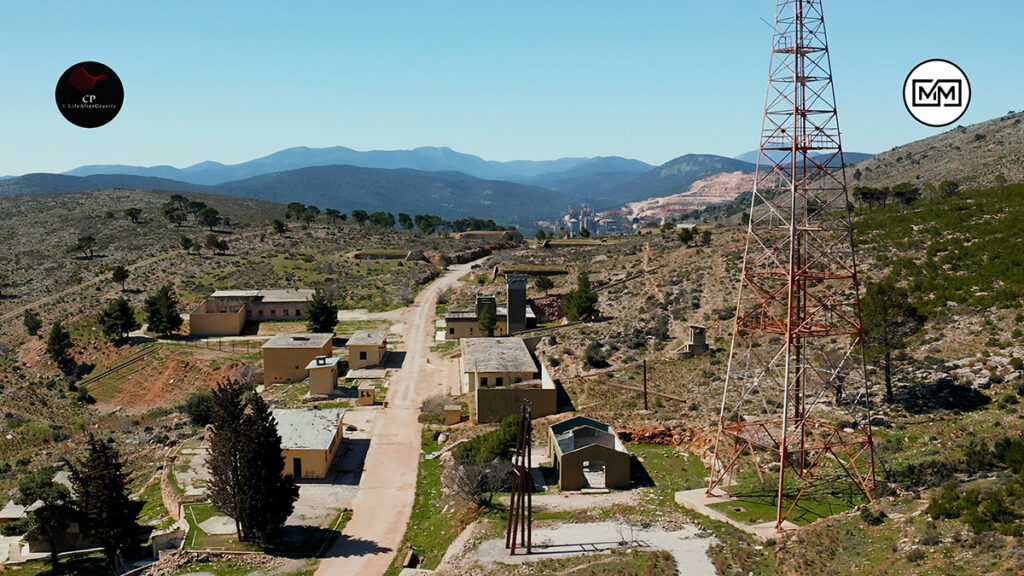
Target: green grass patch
{"x":153,"y":511}
{"x":446,"y":346}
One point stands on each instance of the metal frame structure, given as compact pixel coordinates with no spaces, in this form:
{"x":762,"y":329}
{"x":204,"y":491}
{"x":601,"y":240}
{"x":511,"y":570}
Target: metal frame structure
{"x":520,"y":505}
{"x":796,"y":363}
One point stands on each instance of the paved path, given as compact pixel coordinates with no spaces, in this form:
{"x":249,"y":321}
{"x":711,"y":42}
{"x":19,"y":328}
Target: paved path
{"x":388,"y":485}
{"x":688,"y":545}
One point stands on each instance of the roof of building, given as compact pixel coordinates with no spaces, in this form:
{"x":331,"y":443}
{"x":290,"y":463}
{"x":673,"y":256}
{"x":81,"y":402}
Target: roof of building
{"x":298,"y":341}
{"x":308,"y":429}
{"x":367,"y":386}
{"x":368,"y":338}
{"x":496,"y":355}
{"x":296,"y":295}
{"x":235,"y":294}
{"x":276,"y":295}
{"x":322,"y":362}
{"x":579,"y":432}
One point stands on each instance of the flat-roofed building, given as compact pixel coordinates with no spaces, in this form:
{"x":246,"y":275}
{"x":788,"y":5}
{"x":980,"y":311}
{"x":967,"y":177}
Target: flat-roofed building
{"x":367,"y":348}
{"x":515,"y":317}
{"x":225,"y":312}
{"x":501,"y":373}
{"x":309,"y":440}
{"x":588,"y":454}
{"x":323,"y":375}
{"x":286,"y":356}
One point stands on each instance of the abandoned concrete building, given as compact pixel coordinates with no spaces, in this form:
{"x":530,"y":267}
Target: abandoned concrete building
{"x":286,"y":356}
{"x":698,"y":343}
{"x":501,"y":373}
{"x":225,"y":312}
{"x":588,"y":455}
{"x":309,"y":440}
{"x":323,"y":375}
{"x":516,"y":317}
{"x":69,"y":538}
{"x":367,"y":348}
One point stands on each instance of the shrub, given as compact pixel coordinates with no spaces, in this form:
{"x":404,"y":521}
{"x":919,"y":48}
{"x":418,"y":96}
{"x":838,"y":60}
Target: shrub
{"x":487,"y":447}
{"x":432,"y":410}
{"x":595,"y":355}
{"x":199,"y":408}
{"x":872,"y":517}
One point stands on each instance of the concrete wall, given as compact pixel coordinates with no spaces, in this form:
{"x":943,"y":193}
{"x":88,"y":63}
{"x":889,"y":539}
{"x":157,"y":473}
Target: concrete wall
{"x":570,"y":467}
{"x":374,"y":356}
{"x":209,"y":319}
{"x":455,"y":329}
{"x":289,"y":364}
{"x":314,"y":462}
{"x":494,"y":404}
{"x":471,"y":381}
{"x":280,"y":311}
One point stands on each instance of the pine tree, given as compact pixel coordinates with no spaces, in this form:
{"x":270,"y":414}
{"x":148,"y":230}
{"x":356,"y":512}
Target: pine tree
{"x":101,"y":496}
{"x":267,"y":497}
{"x":890,"y":318}
{"x":117,"y":320}
{"x":162,"y":311}
{"x":120,"y":275}
{"x":487,"y":321}
{"x":58,"y":345}
{"x":322,"y":313}
{"x":32,"y":323}
{"x":225,"y":450}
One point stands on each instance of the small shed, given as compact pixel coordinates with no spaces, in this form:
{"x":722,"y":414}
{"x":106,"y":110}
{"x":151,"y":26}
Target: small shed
{"x":452,"y":414}
{"x":323,"y":374}
{"x":367,"y":395}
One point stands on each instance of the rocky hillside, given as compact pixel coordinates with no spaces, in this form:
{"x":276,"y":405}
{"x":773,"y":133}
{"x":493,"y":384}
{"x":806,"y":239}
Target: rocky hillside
{"x":974,"y":155}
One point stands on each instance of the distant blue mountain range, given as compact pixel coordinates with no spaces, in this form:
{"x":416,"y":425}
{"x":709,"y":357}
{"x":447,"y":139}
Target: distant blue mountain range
{"x":849,"y":157}
{"x":428,"y":159}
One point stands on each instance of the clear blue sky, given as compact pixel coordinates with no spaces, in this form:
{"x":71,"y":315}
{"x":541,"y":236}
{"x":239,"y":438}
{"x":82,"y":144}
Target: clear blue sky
{"x":231,"y":81}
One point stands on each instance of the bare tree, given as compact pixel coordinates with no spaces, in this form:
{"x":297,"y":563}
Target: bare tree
{"x":478,"y":481}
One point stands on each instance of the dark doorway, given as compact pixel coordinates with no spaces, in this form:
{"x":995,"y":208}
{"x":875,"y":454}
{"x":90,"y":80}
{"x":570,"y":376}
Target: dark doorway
{"x":297,"y":468}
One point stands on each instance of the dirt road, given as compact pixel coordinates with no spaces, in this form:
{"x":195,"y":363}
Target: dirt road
{"x":388,"y":486}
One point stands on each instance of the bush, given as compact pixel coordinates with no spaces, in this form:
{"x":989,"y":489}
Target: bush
{"x":496,"y":444}
{"x":432,"y":410}
{"x":199,"y":408}
{"x":595,"y":355}
{"x":872,"y":517}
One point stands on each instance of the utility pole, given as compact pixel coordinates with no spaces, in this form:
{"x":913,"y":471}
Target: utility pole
{"x":645,"y":383}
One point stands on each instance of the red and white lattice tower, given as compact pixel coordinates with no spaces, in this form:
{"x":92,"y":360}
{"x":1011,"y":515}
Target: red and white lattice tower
{"x":796,"y":391}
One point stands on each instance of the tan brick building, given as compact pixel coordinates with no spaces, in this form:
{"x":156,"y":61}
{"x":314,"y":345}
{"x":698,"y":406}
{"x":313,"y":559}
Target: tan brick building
{"x":286,"y":356}
{"x":515,"y":317}
{"x":367,"y":348}
{"x":500,"y":373}
{"x":309,"y":440}
{"x":225,"y":312}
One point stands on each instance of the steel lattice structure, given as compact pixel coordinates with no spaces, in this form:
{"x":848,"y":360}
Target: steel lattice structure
{"x":796,"y":390}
